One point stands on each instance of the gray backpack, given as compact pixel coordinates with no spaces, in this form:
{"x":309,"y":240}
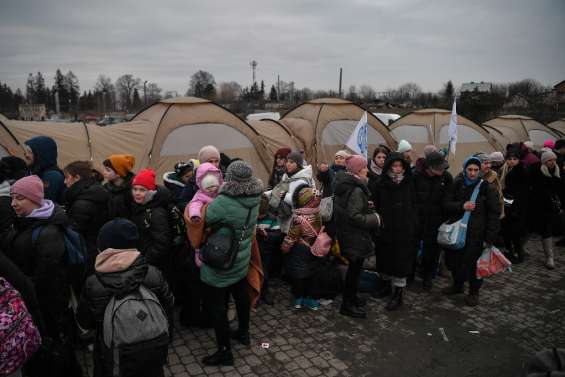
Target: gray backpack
{"x":136,"y":333}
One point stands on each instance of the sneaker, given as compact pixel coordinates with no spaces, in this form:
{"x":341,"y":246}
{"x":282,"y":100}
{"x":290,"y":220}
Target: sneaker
{"x":312,"y":303}
{"x":297,"y":303}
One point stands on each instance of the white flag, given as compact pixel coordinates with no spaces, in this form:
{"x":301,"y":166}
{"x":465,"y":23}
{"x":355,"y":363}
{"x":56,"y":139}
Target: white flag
{"x":453,"y":128}
{"x":358,"y":142}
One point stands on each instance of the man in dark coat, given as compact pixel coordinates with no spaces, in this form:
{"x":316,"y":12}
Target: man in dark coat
{"x":120,"y":269}
{"x":395,"y":203}
{"x":482,"y":228}
{"x":355,"y":224}
{"x":431,"y":182}
{"x":41,"y":158}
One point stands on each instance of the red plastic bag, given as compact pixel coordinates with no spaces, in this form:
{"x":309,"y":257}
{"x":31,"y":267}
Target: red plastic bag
{"x":491,"y":262}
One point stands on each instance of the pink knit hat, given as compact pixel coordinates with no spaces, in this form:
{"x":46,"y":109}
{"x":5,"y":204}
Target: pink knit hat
{"x":31,"y":187}
{"x":355,"y":163}
{"x":549,"y":144}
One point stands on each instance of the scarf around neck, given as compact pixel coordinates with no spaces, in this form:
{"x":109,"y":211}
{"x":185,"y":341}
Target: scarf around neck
{"x":396,"y":178}
{"x":375,"y":168}
{"x":545,"y":171}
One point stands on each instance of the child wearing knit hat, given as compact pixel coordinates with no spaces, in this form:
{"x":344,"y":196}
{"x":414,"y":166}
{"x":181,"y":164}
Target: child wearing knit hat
{"x":143,"y":186}
{"x":27,"y":195}
{"x":208,"y":179}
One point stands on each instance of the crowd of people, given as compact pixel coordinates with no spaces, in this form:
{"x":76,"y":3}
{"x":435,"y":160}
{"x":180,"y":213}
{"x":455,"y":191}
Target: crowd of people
{"x":104,"y":257}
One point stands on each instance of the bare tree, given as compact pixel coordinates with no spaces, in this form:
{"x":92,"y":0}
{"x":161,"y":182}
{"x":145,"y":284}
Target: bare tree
{"x":229,"y":91}
{"x":125,"y":86}
{"x":202,"y":84}
{"x":153,"y":92}
{"x":367,"y":93}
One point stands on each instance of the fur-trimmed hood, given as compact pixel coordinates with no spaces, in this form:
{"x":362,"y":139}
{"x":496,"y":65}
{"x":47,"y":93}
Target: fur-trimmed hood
{"x":252,"y":187}
{"x":172,"y":178}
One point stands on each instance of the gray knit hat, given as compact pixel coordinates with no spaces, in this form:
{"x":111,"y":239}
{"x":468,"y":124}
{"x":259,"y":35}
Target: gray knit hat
{"x":548,"y":155}
{"x":239,"y":180}
{"x":296,"y":157}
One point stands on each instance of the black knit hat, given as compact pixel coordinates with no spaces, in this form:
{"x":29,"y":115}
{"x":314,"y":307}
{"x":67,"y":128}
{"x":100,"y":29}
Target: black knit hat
{"x":119,"y":233}
{"x":14,"y":167}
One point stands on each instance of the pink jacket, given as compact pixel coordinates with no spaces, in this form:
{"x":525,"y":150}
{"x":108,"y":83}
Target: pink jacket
{"x":202,"y":197}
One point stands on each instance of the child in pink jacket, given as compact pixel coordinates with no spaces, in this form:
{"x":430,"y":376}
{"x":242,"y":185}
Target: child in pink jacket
{"x":208,"y":179}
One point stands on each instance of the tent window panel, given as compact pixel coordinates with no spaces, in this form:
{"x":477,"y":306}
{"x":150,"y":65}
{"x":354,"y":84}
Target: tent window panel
{"x":465,"y":134}
{"x":189,"y":139}
{"x":338,"y":131}
{"x":539,"y":136}
{"x":3,"y":152}
{"x":414,"y":134}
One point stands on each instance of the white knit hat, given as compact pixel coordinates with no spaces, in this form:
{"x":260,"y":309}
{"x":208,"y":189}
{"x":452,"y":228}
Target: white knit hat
{"x":210,"y":180}
{"x":404,"y":146}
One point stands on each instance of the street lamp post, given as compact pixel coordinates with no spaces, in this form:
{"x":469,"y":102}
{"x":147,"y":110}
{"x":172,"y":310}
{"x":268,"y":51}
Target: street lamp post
{"x":145,"y":92}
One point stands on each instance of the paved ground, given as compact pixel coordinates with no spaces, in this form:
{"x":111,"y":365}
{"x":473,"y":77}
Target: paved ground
{"x":520,"y":312}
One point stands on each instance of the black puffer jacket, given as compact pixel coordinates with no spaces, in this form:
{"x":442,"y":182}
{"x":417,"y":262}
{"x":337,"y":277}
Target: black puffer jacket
{"x":86,"y":202}
{"x":43,"y":261}
{"x":155,"y":233}
{"x":543,"y":189}
{"x":355,"y":221}
{"x":517,"y":188}
{"x":429,"y":192}
{"x":484,"y":223}
{"x":99,"y":289}
{"x":395,"y":203}
{"x":7,"y":214}
{"x":119,"y":203}
{"x":374,"y":182}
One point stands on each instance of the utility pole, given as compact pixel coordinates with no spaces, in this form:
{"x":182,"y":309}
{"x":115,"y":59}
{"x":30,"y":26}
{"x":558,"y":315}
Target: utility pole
{"x":278,"y":87}
{"x":340,"y":77}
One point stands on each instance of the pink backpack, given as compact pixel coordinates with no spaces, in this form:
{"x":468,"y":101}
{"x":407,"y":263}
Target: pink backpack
{"x":323,"y":242}
{"x":19,"y":337}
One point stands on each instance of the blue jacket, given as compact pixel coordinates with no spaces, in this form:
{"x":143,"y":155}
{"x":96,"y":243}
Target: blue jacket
{"x":45,"y":166}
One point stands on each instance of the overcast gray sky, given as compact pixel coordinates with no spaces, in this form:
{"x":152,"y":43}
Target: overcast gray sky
{"x":383,"y":43}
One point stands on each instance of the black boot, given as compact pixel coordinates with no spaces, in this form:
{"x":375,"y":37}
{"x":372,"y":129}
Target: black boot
{"x":453,"y":290}
{"x":223,"y":356}
{"x":427,"y":283}
{"x":384,"y":291}
{"x":395,"y":301}
{"x":351,"y":310}
{"x":241,"y":336}
{"x":472,"y":299}
{"x":360,"y":302}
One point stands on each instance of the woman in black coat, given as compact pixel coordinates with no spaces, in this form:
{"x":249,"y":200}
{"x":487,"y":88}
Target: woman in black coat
{"x":482,"y":228}
{"x":395,"y":203}
{"x":431,"y":182}
{"x":86,"y":202}
{"x":516,"y":189}
{"x":548,"y":196}
{"x":356,"y":223}
{"x":36,"y":244}
{"x":150,"y":214}
{"x":120,"y":270}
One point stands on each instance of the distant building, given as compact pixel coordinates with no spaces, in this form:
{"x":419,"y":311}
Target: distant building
{"x":481,"y":87}
{"x":559,"y":95}
{"x":32,"y":112}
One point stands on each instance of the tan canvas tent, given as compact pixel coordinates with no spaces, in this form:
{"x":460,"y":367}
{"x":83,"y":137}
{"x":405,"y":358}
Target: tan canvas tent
{"x":324,"y":125}
{"x":431,"y":126}
{"x":185,"y":124}
{"x":275,"y":135}
{"x":160,"y":135}
{"x":519,"y":128}
{"x":558,"y":125}
{"x":9,"y":144}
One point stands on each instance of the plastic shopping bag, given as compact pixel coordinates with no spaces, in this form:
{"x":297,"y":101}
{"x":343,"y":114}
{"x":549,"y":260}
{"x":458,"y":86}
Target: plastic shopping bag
{"x":491,"y":262}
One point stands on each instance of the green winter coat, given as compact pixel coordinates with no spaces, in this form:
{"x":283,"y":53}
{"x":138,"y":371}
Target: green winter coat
{"x":232,"y":210}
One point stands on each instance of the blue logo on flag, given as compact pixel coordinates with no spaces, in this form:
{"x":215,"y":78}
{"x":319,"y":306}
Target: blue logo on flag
{"x":362,"y":139}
